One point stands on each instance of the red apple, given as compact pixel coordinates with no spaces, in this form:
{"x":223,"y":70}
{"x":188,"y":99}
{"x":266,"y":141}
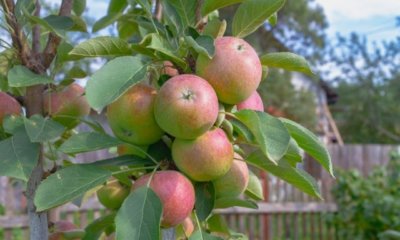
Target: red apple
{"x":176,"y":193}
{"x":131,"y":116}
{"x":8,"y":106}
{"x":235,"y":181}
{"x":254,"y":102}
{"x":234,"y":71}
{"x":188,"y":226}
{"x":113,"y":194}
{"x":169,"y":69}
{"x":67,"y":105}
{"x":186,"y":106}
{"x":206,"y":158}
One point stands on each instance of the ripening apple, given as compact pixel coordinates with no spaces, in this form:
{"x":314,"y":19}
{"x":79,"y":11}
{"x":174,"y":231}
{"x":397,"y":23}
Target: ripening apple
{"x":169,"y":69}
{"x":235,"y":181}
{"x":8,"y":106}
{"x":188,"y":226}
{"x":205,"y":158}
{"x":126,"y":149}
{"x":234,"y":71}
{"x":186,"y":106}
{"x":254,"y":102}
{"x":131,"y":116}
{"x":176,"y":193}
{"x":66,"y":106}
{"x":113,"y":194}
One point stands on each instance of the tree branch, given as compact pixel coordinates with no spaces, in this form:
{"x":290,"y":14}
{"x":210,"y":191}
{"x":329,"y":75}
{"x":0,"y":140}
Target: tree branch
{"x":53,"y":41}
{"x":36,"y":31}
{"x":158,"y":10}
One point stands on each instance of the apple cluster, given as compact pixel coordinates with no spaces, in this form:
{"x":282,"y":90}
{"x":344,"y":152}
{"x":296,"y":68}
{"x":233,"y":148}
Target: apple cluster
{"x":187,"y":110}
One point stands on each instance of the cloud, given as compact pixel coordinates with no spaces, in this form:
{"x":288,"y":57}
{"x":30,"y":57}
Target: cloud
{"x":359,"y":9}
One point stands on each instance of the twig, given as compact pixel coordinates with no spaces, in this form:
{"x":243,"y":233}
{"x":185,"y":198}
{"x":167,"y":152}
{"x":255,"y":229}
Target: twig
{"x":53,"y":41}
{"x":36,"y":31}
{"x":158,"y":10}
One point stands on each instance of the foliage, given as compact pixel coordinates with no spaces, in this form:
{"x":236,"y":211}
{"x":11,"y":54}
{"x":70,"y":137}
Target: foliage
{"x":367,"y":77}
{"x":146,"y":40}
{"x":369,"y":206}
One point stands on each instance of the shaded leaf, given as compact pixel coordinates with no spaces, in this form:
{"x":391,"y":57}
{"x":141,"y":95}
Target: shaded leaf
{"x":254,"y":188}
{"x":41,"y":129}
{"x":101,"y":46}
{"x":79,"y":7}
{"x":205,"y":197}
{"x":202,"y":235}
{"x":186,"y":11}
{"x":20,"y":76}
{"x":215,"y":28}
{"x":67,"y":184}
{"x":12,"y":123}
{"x":97,"y":227}
{"x":228,"y":202}
{"x":212,"y":5}
{"x":293,"y":154}
{"x":88,"y":141}
{"x":202,"y":45}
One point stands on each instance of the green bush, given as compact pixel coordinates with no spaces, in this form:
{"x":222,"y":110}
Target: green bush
{"x":368,"y":207}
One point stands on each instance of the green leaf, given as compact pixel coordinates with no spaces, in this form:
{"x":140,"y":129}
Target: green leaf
{"x":212,"y":5}
{"x":18,"y":156}
{"x":288,"y":61}
{"x":105,"y":21}
{"x":271,"y":135}
{"x":161,"y":45}
{"x":88,"y":141}
{"x":172,"y":18}
{"x":20,"y":76}
{"x":67,"y":184}
{"x":53,"y":23}
{"x":98,"y":226}
{"x":242,"y":131}
{"x":251,"y":14}
{"x":139,"y":216}
{"x":217,"y":224}
{"x":228,"y":202}
{"x":117,"y":6}
{"x":215,"y":28}
{"x":297,"y":177}
{"x":186,"y":11}
{"x":202,"y":45}
{"x":202,"y":235}
{"x":273,"y":20}
{"x":293,"y":154}
{"x":205,"y":197}
{"x":101,"y":46}
{"x":76,"y":72}
{"x":79,"y":7}
{"x":125,"y":160}
{"x":309,"y":143}
{"x":41,"y":129}
{"x":254,"y":188}
{"x":113,"y":79}
{"x":79,"y":24}
{"x":12,"y":123}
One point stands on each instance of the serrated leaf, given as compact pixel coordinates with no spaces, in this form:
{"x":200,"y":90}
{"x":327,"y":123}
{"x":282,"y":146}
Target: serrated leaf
{"x":288,"y":61}
{"x":251,"y":14}
{"x":18,"y":155}
{"x":79,"y":7}
{"x":97,"y":227}
{"x":186,"y":11}
{"x":101,"y":46}
{"x":309,"y":143}
{"x":228,"y":202}
{"x":41,"y":129}
{"x":202,"y":45}
{"x":144,"y":224}
{"x":297,"y":177}
{"x":205,"y":197}
{"x":67,"y":184}
{"x":20,"y":76}
{"x":114,"y":79}
{"x":88,"y":141}
{"x":212,"y":5}
{"x":293,"y":154}
{"x":270,"y":134}
{"x":254,"y":188}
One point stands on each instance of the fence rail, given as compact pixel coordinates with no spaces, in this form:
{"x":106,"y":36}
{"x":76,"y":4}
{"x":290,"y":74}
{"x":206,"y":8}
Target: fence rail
{"x":286,"y":214}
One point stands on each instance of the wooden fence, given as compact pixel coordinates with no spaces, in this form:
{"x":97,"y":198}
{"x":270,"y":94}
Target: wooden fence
{"x":286,"y":214}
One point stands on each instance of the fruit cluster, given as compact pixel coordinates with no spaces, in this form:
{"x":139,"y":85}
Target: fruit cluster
{"x":188,"y":109}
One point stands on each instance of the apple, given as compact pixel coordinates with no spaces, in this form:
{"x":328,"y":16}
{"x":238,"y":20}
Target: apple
{"x":66,"y":106}
{"x":235,"y":181}
{"x":131,"y":116}
{"x":188,"y":226}
{"x":254,"y":102}
{"x":176,"y":193}
{"x":206,"y":158}
{"x":169,"y":69}
{"x":186,"y":106}
{"x":113,"y":194}
{"x":8,"y":106}
{"x":235,"y":70}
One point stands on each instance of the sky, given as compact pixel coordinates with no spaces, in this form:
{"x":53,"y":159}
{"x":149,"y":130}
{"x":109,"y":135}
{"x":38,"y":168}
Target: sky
{"x":375,"y":19}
